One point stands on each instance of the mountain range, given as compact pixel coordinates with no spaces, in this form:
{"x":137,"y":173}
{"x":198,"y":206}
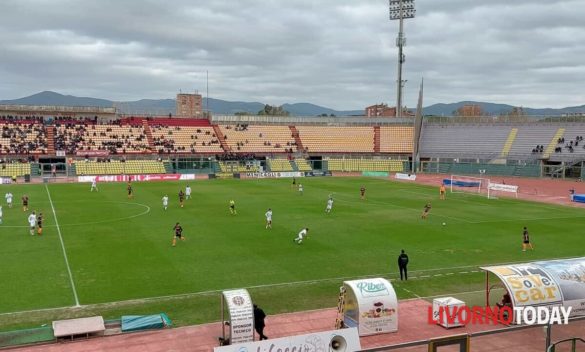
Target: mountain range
{"x":218,"y":106}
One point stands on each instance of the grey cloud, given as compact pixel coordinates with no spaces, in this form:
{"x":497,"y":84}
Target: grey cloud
{"x":338,"y":53}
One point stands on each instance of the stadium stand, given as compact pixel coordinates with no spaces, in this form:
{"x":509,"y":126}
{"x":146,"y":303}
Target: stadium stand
{"x":23,"y":138}
{"x":115,"y":167}
{"x":281,"y":165}
{"x":463,"y":140}
{"x":259,"y":138}
{"x":338,"y":139}
{"x":529,"y":136}
{"x":185,"y":139}
{"x":396,"y":139}
{"x":359,"y":165}
{"x":14,"y":169}
{"x":112,"y":138}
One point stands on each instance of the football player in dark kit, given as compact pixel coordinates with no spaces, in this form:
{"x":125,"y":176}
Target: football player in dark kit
{"x":178,"y":234}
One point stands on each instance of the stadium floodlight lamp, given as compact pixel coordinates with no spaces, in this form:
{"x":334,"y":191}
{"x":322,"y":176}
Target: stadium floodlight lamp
{"x":400,"y":9}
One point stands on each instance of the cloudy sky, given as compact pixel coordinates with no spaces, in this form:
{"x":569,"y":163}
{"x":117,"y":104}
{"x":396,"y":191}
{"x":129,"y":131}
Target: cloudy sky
{"x":336,"y":53}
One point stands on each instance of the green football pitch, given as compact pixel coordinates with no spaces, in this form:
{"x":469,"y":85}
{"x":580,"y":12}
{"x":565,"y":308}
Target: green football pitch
{"x":112,"y":255}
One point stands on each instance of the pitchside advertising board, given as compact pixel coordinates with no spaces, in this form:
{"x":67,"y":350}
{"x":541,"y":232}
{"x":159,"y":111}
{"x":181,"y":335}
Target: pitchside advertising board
{"x":344,"y":340}
{"x":136,"y":178}
{"x":407,"y":177}
{"x":371,"y":306}
{"x":241,"y":310}
{"x":545,"y":283}
{"x":273,"y":174}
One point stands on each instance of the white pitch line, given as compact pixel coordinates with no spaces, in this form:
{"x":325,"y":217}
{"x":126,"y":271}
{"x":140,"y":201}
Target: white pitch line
{"x":202,"y":293}
{"x":63,"y":248}
{"x":412,"y":293}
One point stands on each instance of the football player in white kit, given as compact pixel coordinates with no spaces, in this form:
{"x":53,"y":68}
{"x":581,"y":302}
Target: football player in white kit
{"x":302,"y":235}
{"x":188,"y":192}
{"x":165,"y":201}
{"x":9,"y":197}
{"x":32,"y":221}
{"x":329,"y":205}
{"x":94,"y":185}
{"x":268,"y":218}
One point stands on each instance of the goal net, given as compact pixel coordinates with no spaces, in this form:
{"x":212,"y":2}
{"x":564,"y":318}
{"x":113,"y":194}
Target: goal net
{"x":467,"y":184}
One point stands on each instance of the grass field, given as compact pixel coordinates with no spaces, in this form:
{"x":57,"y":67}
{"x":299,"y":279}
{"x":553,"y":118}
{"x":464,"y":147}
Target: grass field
{"x":119,"y":250}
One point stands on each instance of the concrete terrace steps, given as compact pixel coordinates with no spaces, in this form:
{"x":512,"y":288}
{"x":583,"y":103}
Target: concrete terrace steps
{"x":297,"y":138}
{"x":553,"y":143}
{"x":50,"y":140}
{"x":509,"y":142}
{"x":376,"y":139}
{"x":221,"y":138}
{"x":148,"y":133}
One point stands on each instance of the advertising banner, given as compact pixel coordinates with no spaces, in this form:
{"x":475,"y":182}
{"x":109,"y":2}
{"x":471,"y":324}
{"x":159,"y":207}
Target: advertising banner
{"x":570,"y":276}
{"x":344,"y":340}
{"x":275,"y":174}
{"x":92,"y":153}
{"x":5,"y":180}
{"x":375,"y":173}
{"x":317,"y":173}
{"x":371,"y":306}
{"x":241,"y":312}
{"x":528,"y":284}
{"x":503,"y":187}
{"x":136,"y":178}
{"x":408,"y":177}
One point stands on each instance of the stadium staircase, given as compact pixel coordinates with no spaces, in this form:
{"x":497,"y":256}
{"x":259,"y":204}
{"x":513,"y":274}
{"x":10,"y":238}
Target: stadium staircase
{"x":297,"y":137}
{"x":221,"y":137}
{"x":302,"y":165}
{"x":34,"y":169}
{"x":508,"y":145}
{"x":553,"y":143}
{"x":148,"y":133}
{"x":168,"y":167}
{"x":376,"y":139}
{"x":51,"y":140}
{"x":72,"y":170}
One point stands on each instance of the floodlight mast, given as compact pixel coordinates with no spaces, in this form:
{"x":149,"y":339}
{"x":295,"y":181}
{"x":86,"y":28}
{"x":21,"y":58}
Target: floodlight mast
{"x":399,"y":10}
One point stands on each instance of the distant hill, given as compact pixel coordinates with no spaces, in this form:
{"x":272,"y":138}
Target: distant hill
{"x":52,"y":98}
{"x":166,"y":106}
{"x":495,"y":109}
{"x":218,"y":106}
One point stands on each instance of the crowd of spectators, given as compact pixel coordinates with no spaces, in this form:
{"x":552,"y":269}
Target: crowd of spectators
{"x":111,"y":138}
{"x":539,"y":149}
{"x":19,"y":118}
{"x":179,"y":140}
{"x":570,"y":146}
{"x":23,"y":138}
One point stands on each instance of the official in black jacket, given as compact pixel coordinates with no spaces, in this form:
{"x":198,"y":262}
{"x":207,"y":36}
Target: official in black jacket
{"x":402,"y":263}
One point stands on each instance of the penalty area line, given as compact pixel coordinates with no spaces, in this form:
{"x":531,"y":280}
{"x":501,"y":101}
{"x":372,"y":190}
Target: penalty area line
{"x":63,"y":249}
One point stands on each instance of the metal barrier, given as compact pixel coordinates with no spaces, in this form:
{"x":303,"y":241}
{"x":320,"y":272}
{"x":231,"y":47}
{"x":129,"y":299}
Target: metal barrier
{"x":573,"y":340}
{"x":537,"y":337}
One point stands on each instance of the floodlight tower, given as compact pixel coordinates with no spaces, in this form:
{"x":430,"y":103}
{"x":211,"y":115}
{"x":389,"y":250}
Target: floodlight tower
{"x":399,"y":10}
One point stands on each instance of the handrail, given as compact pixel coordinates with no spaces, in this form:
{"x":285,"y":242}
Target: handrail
{"x":573,"y":340}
